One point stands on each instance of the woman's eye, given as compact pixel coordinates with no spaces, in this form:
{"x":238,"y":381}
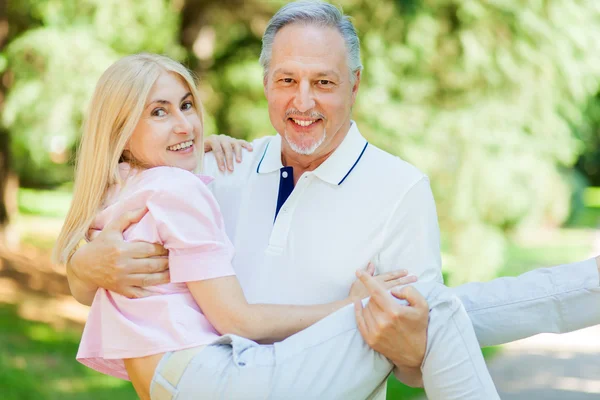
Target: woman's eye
{"x":158,"y":112}
{"x":187,"y":106}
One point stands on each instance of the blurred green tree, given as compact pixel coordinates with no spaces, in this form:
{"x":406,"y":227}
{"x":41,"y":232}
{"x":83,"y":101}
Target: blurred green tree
{"x":485,"y":96}
{"x":54,"y":67}
{"x":490,"y":98}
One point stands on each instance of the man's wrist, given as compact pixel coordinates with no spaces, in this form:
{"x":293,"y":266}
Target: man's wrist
{"x":74,"y":270}
{"x":410,"y":376}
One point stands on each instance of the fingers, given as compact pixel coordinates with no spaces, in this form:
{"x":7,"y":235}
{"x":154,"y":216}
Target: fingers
{"x":145,"y":250}
{"x":219,"y":156}
{"x":228,"y":150}
{"x":146,"y":266}
{"x":136,"y":292}
{"x":390,"y":276}
{"x":377,"y":291}
{"x":246,"y":145}
{"x":400,"y":282}
{"x":125,"y":220}
{"x":237,"y":149}
{"x":371,"y":269}
{"x":145,"y":280}
{"x":370,"y":283}
{"x":412,"y":296}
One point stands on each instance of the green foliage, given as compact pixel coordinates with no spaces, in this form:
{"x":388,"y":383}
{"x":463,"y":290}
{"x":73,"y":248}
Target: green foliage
{"x":55,"y":66}
{"x":494,"y":100}
{"x":487,"y":97}
{"x":483,"y":96}
{"x":37,"y":362}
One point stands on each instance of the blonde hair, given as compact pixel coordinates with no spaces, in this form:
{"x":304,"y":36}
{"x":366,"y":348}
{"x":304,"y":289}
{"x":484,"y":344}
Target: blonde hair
{"x":115,"y":110}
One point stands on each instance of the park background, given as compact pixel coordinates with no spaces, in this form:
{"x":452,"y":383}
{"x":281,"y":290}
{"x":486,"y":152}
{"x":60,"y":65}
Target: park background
{"x":498,"y":101}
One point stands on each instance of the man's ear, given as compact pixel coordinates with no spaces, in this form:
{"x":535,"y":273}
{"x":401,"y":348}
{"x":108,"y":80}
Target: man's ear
{"x":265,"y":82}
{"x":357,"y":76}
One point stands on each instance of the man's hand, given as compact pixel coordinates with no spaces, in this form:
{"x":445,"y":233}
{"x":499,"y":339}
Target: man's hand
{"x":388,"y":280}
{"x":126,"y":268}
{"x":397,"y":331}
{"x":224,"y":148}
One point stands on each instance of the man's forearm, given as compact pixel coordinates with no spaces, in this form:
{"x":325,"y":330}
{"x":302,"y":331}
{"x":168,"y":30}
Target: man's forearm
{"x":81,"y":290}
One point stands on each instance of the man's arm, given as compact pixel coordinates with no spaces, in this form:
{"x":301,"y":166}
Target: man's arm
{"x":411,"y":240}
{"x":111,"y":263}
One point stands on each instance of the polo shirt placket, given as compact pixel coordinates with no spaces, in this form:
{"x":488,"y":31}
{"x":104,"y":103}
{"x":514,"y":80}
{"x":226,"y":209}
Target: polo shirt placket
{"x":283,"y":219}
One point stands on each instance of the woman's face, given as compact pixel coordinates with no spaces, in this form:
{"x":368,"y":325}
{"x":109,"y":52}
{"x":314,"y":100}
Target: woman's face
{"x":169,"y":129}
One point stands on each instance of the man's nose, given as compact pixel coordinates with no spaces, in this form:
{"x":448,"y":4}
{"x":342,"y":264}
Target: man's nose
{"x":304,"y":99}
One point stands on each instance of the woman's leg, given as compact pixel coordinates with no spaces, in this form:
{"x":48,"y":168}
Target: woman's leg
{"x":546,"y":300}
{"x":344,"y":367}
{"x":330,"y":360}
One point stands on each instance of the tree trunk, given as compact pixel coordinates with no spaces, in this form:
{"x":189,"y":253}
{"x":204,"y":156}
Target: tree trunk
{"x":8,"y":180}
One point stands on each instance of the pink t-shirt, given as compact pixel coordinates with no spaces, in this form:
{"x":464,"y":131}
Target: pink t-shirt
{"x":185,"y":218}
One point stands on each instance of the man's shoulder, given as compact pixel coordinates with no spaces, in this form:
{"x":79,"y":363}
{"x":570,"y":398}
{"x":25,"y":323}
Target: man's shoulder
{"x":391,"y":168}
{"x":250,"y":160}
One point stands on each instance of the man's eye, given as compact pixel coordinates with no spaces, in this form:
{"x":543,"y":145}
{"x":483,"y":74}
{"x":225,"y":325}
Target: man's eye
{"x":158,"y":112}
{"x":187,"y":106}
{"x":325,"y":82}
{"x":287,"y":80}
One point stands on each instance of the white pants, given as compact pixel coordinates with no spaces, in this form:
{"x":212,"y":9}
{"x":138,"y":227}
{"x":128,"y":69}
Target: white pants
{"x":546,"y":300}
{"x":330,"y":360}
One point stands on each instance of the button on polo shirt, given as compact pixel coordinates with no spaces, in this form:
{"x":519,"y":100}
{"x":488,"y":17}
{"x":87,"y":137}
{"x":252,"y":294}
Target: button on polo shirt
{"x":303,"y":244}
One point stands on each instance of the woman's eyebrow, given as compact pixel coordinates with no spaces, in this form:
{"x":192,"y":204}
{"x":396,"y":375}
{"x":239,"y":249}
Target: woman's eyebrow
{"x":160,"y":101}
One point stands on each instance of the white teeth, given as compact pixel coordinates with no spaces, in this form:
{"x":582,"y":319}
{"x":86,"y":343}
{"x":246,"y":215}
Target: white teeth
{"x":303,"y":123}
{"x":180,"y":146}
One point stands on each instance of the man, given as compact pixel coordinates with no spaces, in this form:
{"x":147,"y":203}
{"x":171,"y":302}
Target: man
{"x":316,"y":202}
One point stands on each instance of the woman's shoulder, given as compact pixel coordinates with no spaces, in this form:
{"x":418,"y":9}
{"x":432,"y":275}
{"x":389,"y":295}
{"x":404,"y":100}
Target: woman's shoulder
{"x":173,"y":179}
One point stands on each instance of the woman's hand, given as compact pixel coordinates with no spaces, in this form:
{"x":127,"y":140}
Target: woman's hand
{"x":224,"y":147}
{"x":358,"y":291}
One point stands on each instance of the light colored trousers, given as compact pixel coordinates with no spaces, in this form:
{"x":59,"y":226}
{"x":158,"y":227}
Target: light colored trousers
{"x":329,"y":360}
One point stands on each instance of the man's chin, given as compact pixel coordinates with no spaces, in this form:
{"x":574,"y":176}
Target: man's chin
{"x":305,"y":149}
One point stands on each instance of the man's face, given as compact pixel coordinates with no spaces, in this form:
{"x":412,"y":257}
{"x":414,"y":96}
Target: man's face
{"x":308,"y":89}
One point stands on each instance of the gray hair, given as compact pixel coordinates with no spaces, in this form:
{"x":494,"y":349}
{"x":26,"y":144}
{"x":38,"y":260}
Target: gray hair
{"x":315,"y":13}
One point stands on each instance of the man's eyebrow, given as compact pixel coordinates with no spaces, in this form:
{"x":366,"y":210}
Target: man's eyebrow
{"x":320,"y":74}
{"x":329,"y":72}
{"x":161,"y":101}
{"x":282,"y":72}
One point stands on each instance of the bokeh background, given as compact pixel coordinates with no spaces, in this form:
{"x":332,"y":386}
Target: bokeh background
{"x":498,"y":101}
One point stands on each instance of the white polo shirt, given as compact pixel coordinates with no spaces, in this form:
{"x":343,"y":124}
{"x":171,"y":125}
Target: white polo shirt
{"x":303,"y":244}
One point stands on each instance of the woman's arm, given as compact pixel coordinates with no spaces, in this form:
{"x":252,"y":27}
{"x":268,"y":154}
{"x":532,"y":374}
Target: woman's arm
{"x":223,"y":302}
{"x":189,"y":224}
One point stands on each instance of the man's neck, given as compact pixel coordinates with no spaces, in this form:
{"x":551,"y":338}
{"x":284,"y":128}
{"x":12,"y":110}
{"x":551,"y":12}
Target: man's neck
{"x":303,"y":163}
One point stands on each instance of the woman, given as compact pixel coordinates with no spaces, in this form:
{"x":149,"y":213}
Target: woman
{"x":139,"y":148}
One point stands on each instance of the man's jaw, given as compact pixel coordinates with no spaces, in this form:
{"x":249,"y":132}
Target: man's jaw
{"x":305,"y":150}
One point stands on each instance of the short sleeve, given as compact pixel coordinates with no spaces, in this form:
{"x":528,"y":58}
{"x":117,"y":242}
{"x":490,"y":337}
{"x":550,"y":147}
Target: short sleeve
{"x":411,"y":239}
{"x":189,"y":225}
